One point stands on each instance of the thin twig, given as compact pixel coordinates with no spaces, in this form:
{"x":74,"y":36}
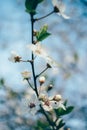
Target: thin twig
{"x":32,"y":57}
{"x":37,"y":19}
{"x":30,"y":84}
{"x":41,"y":72}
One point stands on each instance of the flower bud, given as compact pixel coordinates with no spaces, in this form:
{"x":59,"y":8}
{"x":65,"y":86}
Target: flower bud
{"x":56,"y":10}
{"x":42,"y":80}
{"x":49,"y":87}
{"x":57,"y":97}
{"x":26,"y":74}
{"x":43,"y":97}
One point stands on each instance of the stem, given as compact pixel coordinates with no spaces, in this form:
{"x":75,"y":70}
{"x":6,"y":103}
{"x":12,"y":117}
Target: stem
{"x":32,"y":57}
{"x":30,"y":84}
{"x":41,"y":72}
{"x":26,"y":61}
{"x":49,"y":121}
{"x":37,"y":19}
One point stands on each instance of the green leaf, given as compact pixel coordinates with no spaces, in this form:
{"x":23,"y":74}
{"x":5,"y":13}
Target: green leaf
{"x":2,"y":82}
{"x":42,"y":34}
{"x":69,"y":109}
{"x":61,"y":112}
{"x":65,"y":103}
{"x":41,"y":125}
{"x":31,"y":5}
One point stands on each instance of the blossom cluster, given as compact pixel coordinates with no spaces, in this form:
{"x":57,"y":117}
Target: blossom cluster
{"x":48,"y":103}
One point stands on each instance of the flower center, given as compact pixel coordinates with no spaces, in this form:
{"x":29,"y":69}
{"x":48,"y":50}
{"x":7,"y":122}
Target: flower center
{"x":17,"y":59}
{"x":47,"y":103}
{"x":32,"y":105}
{"x":38,"y":52}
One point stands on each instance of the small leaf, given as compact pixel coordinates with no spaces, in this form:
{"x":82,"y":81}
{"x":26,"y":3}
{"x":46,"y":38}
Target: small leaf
{"x":42,"y":34}
{"x":69,"y":109}
{"x":61,"y":112}
{"x":41,"y":125}
{"x":31,"y":5}
{"x":65,"y":103}
{"x":2,"y":82}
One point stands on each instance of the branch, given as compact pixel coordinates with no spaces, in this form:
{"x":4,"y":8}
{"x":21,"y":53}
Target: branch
{"x":37,"y":19}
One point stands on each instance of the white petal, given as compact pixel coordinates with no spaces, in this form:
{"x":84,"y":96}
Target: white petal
{"x":54,"y":2}
{"x":62,"y":106}
{"x":51,"y":62}
{"x":47,"y":108}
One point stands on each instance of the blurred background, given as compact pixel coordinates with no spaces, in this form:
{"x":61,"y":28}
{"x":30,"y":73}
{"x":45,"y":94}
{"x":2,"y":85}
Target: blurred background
{"x":67,"y":45}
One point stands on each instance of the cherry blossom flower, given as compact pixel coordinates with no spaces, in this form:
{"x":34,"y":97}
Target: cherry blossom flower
{"x":14,"y":57}
{"x":56,"y":104}
{"x":31,"y":104}
{"x":40,"y":51}
{"x":59,"y":8}
{"x":50,"y":103}
{"x":26,"y":74}
{"x":52,"y":63}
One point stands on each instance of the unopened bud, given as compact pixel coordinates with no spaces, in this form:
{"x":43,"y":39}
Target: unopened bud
{"x":26,"y":74}
{"x":49,"y":87}
{"x":48,"y":65}
{"x":56,"y":10}
{"x":57,"y":97}
{"x":42,"y":80}
{"x":42,"y":97}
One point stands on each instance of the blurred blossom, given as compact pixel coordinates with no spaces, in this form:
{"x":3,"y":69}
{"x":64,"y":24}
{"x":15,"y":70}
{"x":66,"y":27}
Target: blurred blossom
{"x":31,"y":104}
{"x":26,"y":74}
{"x":40,"y":51}
{"x":14,"y":57}
{"x":59,"y":8}
{"x":57,"y":104}
{"x":49,"y":103}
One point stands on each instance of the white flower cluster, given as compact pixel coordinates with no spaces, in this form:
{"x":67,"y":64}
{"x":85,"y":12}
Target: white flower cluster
{"x":48,"y":103}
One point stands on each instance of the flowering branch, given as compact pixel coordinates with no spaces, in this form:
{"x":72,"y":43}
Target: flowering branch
{"x":40,"y":101}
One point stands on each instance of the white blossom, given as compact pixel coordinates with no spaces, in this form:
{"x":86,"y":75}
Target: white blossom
{"x":56,"y":105}
{"x":50,"y":103}
{"x":52,"y":62}
{"x":31,"y":104}
{"x":60,"y":8}
{"x":40,"y":51}
{"x":14,"y":57}
{"x":46,"y":105}
{"x":26,"y":74}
